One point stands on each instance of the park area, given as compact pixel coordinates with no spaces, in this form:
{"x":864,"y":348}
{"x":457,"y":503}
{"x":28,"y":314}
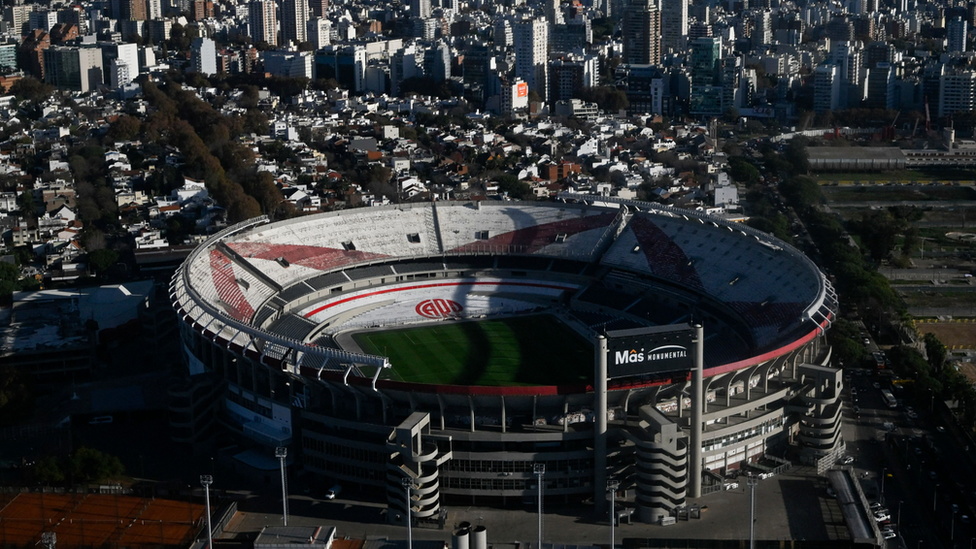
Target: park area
{"x":526,"y":350}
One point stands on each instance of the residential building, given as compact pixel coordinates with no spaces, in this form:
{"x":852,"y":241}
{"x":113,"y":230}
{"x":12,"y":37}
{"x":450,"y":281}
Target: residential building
{"x":706,"y":90}
{"x":263,"y":22}
{"x":957,"y":93}
{"x":203,"y":56}
{"x":319,"y":32}
{"x":881,"y":87}
{"x":674,"y":25}
{"x":531,"y":38}
{"x":642,"y":34}
{"x":73,"y":68}
{"x":290,"y":64}
{"x":294,"y":21}
{"x":956,"y":35}
{"x":826,"y":88}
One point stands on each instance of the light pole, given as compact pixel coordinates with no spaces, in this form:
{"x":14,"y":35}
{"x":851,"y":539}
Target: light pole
{"x":752,"y":481}
{"x":884,"y":472}
{"x":407,"y":483}
{"x":281,"y":453}
{"x":540,"y":471}
{"x":206,"y":481}
{"x":612,"y":486}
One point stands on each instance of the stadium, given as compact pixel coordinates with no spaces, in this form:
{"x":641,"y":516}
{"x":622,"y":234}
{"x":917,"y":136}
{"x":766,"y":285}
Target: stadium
{"x":452,"y":344}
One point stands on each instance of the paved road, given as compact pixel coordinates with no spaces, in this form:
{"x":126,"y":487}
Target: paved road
{"x":788,"y":506}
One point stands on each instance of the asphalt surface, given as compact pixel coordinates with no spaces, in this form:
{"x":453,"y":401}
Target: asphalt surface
{"x":793,"y":505}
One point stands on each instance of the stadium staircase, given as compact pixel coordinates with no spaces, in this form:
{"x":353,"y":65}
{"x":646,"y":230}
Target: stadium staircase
{"x":246,"y":265}
{"x":433,"y":226}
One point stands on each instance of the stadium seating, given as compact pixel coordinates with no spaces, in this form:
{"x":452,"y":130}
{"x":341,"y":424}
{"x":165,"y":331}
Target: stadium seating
{"x":508,"y":228}
{"x":767,"y":286}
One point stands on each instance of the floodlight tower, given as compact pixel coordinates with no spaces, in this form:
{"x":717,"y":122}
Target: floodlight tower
{"x":281,"y":453}
{"x":612,"y":486}
{"x":408,"y":485}
{"x":206,"y":481}
{"x":540,"y":471}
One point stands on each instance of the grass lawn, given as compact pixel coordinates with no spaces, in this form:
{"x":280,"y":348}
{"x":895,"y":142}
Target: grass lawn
{"x":527,"y":350}
{"x":836,"y":195}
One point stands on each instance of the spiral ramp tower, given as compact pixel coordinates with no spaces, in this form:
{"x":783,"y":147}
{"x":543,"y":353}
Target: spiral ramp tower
{"x":661,"y":465}
{"x":417,"y":455}
{"x":819,"y":406}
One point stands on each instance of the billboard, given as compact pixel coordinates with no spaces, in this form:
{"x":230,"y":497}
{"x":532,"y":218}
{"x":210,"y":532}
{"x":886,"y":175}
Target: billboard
{"x":654,"y":350}
{"x":522,"y":90}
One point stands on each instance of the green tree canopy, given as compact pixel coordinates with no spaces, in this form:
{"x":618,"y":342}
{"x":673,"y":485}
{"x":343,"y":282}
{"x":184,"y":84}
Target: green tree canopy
{"x":101,"y":260}
{"x":607,"y":98}
{"x":90,"y":465}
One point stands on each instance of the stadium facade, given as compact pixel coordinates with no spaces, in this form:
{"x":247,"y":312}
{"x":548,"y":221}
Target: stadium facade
{"x":267,"y":308}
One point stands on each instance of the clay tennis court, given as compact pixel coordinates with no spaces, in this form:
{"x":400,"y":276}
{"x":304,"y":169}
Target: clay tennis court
{"x":97,"y":520}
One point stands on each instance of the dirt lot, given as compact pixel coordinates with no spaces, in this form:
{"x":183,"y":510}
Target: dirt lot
{"x":952,"y":334}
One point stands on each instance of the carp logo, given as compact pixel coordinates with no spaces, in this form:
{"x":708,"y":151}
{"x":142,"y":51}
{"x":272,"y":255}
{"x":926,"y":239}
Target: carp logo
{"x":438,"y":308}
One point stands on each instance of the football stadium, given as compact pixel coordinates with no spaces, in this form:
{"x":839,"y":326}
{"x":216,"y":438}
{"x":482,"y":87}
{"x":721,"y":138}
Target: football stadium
{"x":454,"y":347}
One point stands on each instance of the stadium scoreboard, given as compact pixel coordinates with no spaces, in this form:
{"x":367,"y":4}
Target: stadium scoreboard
{"x":652,"y":350}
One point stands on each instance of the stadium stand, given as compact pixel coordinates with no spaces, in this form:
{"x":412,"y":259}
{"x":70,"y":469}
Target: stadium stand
{"x":531,"y":232}
{"x":293,"y":326}
{"x":370,"y":272}
{"x":418,"y":267}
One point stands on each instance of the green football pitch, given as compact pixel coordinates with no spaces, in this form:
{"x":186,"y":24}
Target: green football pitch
{"x":526,"y":350}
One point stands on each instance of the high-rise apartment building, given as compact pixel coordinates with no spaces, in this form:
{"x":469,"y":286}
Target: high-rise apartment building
{"x":762,"y":29}
{"x":957,"y":93}
{"x":294,"y":21}
{"x":203,"y":56}
{"x":126,"y":54}
{"x":17,"y":16}
{"x":420,"y":8}
{"x":642,"y":34}
{"x":531,"y":38}
{"x":706,"y":90}
{"x":77,"y":69}
{"x":956,"y":34}
{"x":263,"y":21}
{"x":319,"y":32}
{"x":319,"y":8}
{"x":826,"y":88}
{"x":674,"y":25}
{"x":880,"y":87}
{"x":42,"y":20}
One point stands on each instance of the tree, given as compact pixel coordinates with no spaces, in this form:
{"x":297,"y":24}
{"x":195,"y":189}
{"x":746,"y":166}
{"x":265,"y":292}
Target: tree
{"x":16,"y":396}
{"x":48,"y":471}
{"x":125,"y":128}
{"x":742,"y":170}
{"x":101,"y":260}
{"x":90,"y":465}
{"x":26,"y":204}
{"x":514,"y":188}
{"x":796,"y":154}
{"x":30,"y":89}
{"x":607,"y":98}
{"x":936,"y":351}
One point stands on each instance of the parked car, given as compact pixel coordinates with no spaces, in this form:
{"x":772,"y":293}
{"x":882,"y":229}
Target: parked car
{"x":880,"y":517}
{"x":847,"y":460}
{"x":333,"y":492}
